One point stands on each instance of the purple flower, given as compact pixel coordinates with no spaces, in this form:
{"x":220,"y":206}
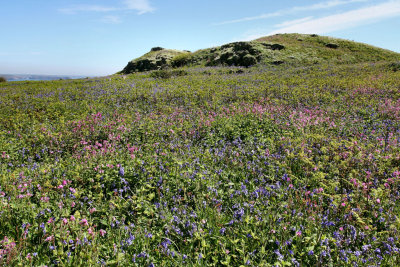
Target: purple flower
{"x":121,"y":171}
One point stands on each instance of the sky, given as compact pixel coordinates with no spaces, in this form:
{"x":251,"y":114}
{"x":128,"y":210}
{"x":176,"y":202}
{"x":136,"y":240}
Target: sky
{"x":97,"y":38}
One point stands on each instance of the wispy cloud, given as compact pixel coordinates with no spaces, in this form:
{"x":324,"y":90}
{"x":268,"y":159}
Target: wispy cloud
{"x":142,"y":6}
{"x":317,"y":6}
{"x":325,"y":5}
{"x":344,"y":20}
{"x":111,"y":19}
{"x":87,"y":8}
{"x":293,"y":22}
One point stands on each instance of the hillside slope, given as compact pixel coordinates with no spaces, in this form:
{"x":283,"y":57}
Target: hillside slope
{"x":293,"y":49}
{"x":157,"y":58}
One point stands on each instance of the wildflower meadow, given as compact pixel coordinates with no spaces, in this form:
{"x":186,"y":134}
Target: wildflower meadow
{"x":218,"y":166}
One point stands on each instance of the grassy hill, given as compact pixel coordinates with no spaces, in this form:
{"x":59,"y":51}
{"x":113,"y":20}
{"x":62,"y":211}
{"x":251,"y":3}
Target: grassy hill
{"x":157,"y":58}
{"x":291,"y":164}
{"x":288,"y":49}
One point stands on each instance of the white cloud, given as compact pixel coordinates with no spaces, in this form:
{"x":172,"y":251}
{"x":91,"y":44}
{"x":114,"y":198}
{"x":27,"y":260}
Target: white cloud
{"x":344,"y":20}
{"x":142,"y":6}
{"x":111,"y":19}
{"x":318,"y":6}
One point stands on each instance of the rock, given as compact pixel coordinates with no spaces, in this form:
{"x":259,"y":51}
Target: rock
{"x":157,"y":48}
{"x":242,"y":54}
{"x":332,"y":45}
{"x":277,"y":62}
{"x":277,"y":47}
{"x":274,"y":46}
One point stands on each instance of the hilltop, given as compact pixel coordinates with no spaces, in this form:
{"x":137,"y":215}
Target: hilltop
{"x":293,"y":49}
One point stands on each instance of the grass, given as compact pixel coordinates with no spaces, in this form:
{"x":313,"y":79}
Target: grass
{"x":267,"y":165}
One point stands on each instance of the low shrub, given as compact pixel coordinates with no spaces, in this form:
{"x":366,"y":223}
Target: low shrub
{"x":3,"y":80}
{"x":166,"y":74}
{"x":395,"y":66}
{"x":181,"y":60}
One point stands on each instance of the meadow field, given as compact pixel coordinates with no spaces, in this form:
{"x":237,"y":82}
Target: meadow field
{"x":270,"y":165}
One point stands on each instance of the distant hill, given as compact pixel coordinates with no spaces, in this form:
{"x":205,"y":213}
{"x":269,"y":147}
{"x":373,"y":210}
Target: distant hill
{"x":32,"y":77}
{"x":293,"y":49}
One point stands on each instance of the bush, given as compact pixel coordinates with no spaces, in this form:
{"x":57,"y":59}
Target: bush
{"x":3,"y":80}
{"x":395,"y":66}
{"x":166,"y":74}
{"x":181,"y":60}
{"x":247,"y":61}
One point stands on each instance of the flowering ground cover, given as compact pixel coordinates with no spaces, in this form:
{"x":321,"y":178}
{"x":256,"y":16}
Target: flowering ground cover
{"x":269,"y":165}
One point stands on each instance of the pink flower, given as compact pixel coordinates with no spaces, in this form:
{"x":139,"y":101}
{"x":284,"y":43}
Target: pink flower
{"x":92,"y":210}
{"x":44,"y":199}
{"x":341,"y":228}
{"x":84,"y":222}
{"x":65,"y":221}
{"x":73,"y":191}
{"x":102,"y":232}
{"x":90,"y":231}
{"x":50,"y":238}
{"x":343,"y":204}
{"x":298,"y":233}
{"x":72,"y":218}
{"x":60,"y":186}
{"x":51,"y":220}
{"x":378,"y":201}
{"x":64,"y":182}
{"x":72,"y":204}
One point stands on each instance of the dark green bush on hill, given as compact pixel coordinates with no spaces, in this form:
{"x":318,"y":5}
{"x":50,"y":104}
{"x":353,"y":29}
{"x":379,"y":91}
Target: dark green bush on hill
{"x":395,"y":66}
{"x":166,"y":74}
{"x":181,"y":60}
{"x":3,"y":80}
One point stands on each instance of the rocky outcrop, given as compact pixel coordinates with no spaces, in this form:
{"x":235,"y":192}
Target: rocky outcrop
{"x":243,"y":54}
{"x":158,"y":58}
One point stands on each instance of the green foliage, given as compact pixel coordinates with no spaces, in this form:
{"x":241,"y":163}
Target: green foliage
{"x":3,"y":80}
{"x":395,"y":66}
{"x":166,"y":74}
{"x":181,"y":60}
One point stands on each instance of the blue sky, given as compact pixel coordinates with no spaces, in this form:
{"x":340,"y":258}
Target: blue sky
{"x":87,"y":37}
